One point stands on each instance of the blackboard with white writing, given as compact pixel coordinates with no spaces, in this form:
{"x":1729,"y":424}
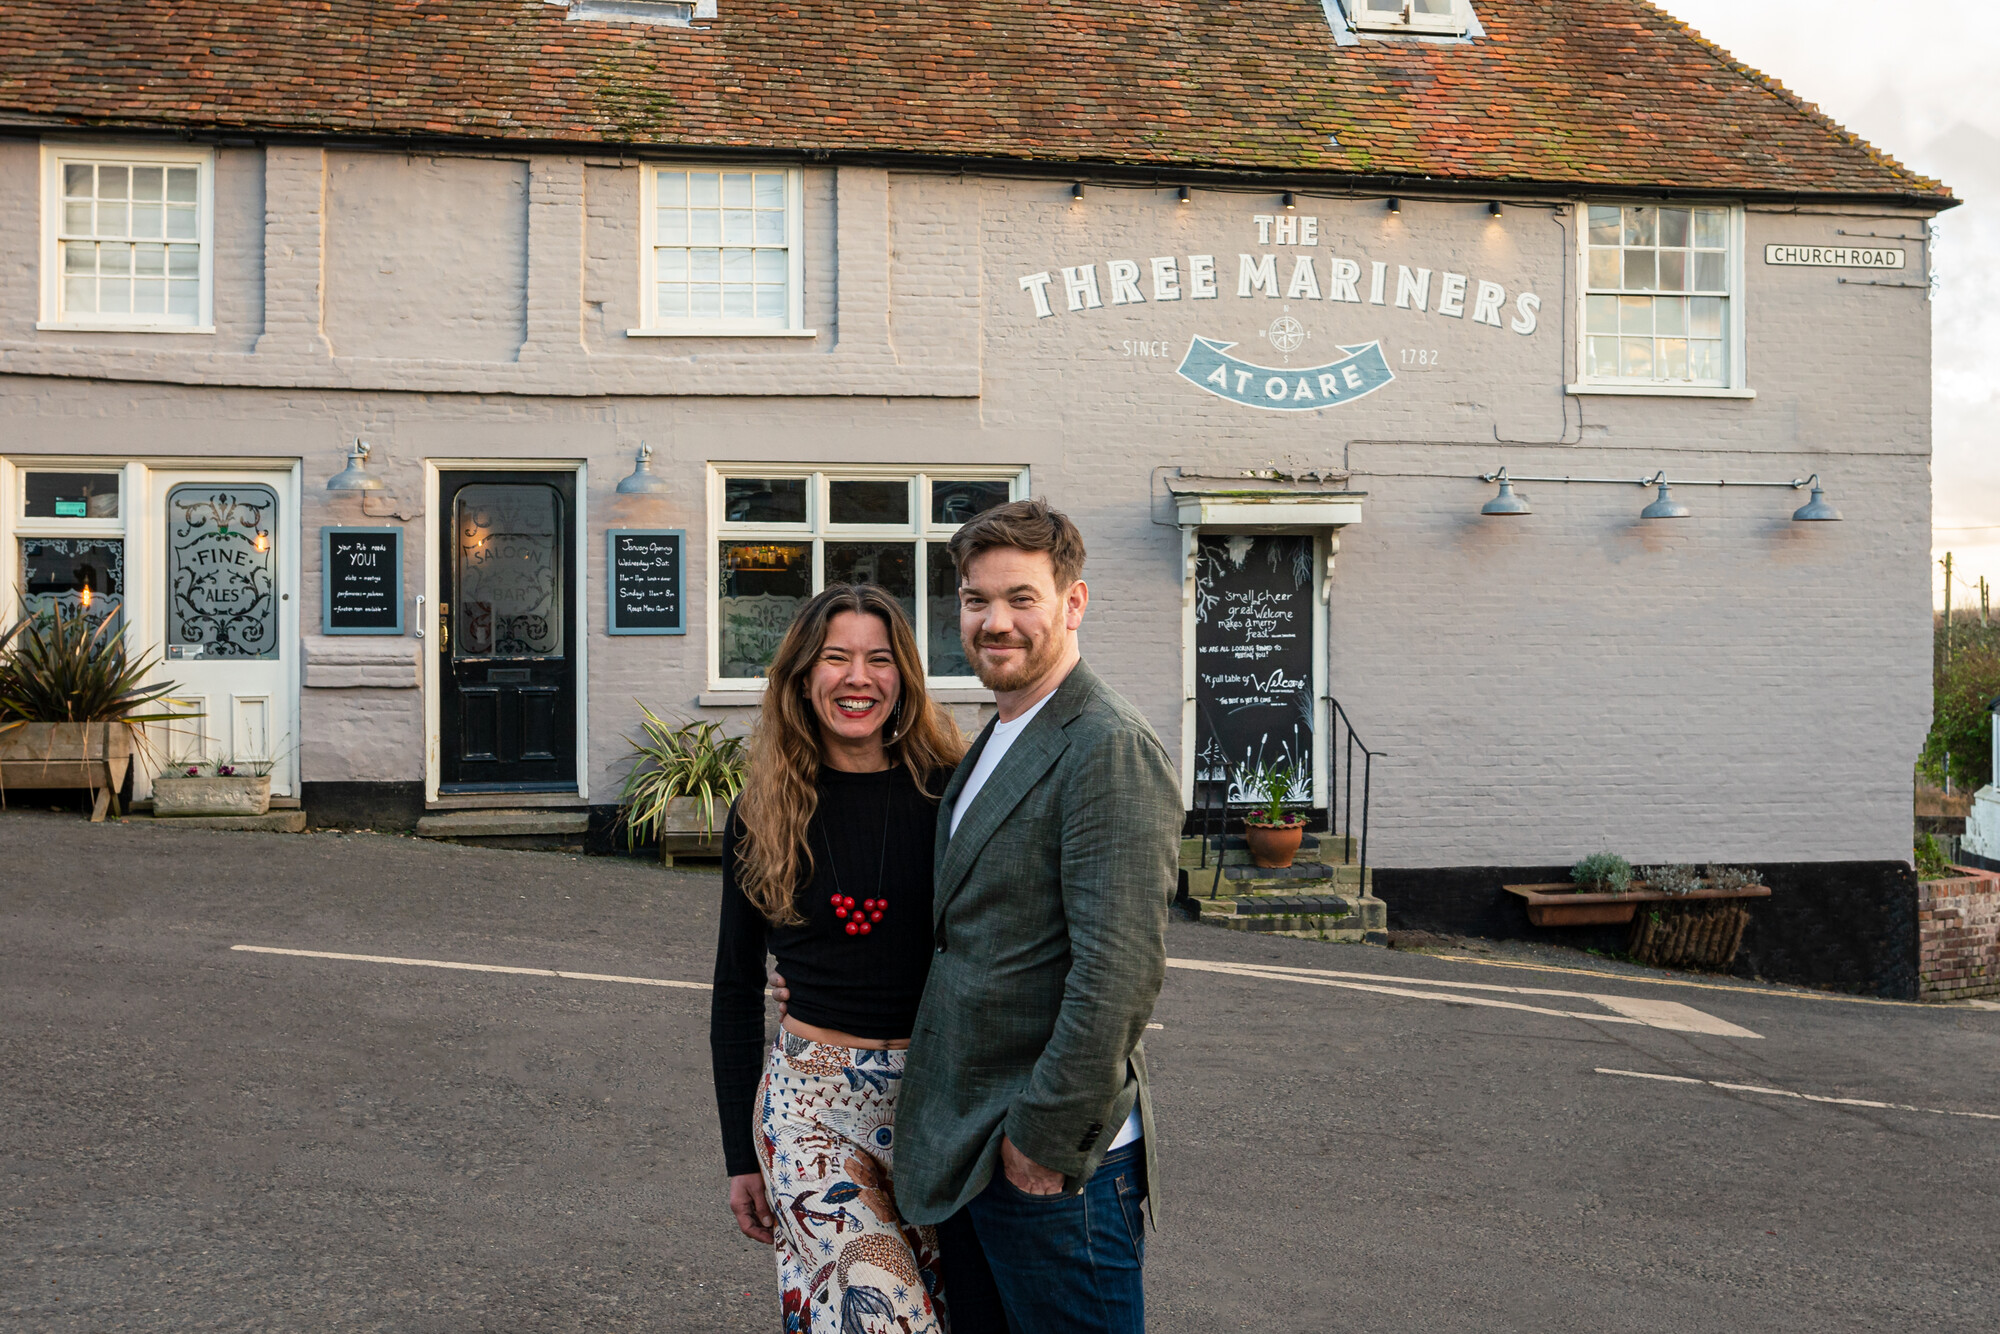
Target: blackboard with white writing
{"x":1254,"y":702}
{"x":362,"y":573}
{"x":647,"y":568}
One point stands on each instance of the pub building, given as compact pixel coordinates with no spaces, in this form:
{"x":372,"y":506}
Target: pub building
{"x":1456,"y":397}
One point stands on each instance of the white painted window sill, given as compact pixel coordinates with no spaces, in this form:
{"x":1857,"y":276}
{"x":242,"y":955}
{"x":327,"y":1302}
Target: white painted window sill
{"x":73,"y":326}
{"x":1659,"y":391}
{"x":722,"y":331}
{"x":750,"y":699}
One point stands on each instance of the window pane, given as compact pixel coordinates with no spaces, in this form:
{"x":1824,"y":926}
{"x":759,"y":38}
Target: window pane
{"x":771,"y":303}
{"x":1635,"y":357}
{"x":736,"y":266}
{"x":222,"y":570}
{"x":704,"y":226}
{"x":764,"y":499}
{"x":1603,"y":356}
{"x":148,"y":220}
{"x":947,"y":653}
{"x":763,"y":585}
{"x":673,"y":300}
{"x":86,"y":575}
{"x":148,"y":183}
{"x":892,"y":565}
{"x":1641,"y":226}
{"x":149,"y":296}
{"x":736,"y":189}
{"x":673,"y":189}
{"x":111,"y":220}
{"x":114,"y":257}
{"x":1705,"y":361}
{"x":704,"y":189}
{"x":1709,"y":231}
{"x":181,"y":183}
{"x":70,"y":495}
{"x":76,"y":218}
{"x":704,"y":300}
{"x":1604,"y":269}
{"x":1603,"y":225}
{"x":184,"y":261}
{"x":673,"y":226}
{"x":111,"y":182}
{"x":705,"y":266}
{"x":771,"y":266}
{"x":1673,"y":354}
{"x":737,"y":301}
{"x":1669,"y":315}
{"x":1673,"y":270}
{"x":770,"y":229}
{"x":184,"y":298}
{"x":79,"y":257}
{"x":1708,"y":271}
{"x":80,"y":296}
{"x":78,"y":179}
{"x":736,"y":229}
{"x":114,"y":296}
{"x":149,"y":261}
{"x":957,"y":501}
{"x":181,"y":222}
{"x":672,"y":266}
{"x":770,"y":189}
{"x":1641,"y":271}
{"x":1635,"y":314}
{"x":1705,"y":317}
{"x":868,"y":502}
{"x":1673,"y":226}
{"x":1600,"y":314}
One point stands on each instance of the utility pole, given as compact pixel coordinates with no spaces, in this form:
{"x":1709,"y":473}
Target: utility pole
{"x":1947,"y":609}
{"x":1982,"y":603}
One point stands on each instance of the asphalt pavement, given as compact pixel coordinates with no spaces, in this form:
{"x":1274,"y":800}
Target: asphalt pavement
{"x":202,"y":1136}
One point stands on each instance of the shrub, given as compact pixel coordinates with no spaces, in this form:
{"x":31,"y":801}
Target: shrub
{"x":1931,"y":861}
{"x":693,"y":761}
{"x":1961,"y":724}
{"x":1605,"y":872}
{"x":60,"y":666}
{"x":1734,"y":877}
{"x":1676,"y":880}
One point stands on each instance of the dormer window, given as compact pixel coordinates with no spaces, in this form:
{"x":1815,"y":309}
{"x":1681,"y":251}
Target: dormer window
{"x":1449,"y":18}
{"x":660,"y":13}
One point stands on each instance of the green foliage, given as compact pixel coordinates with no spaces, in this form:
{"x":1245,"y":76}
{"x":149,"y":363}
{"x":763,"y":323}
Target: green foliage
{"x":1273,"y":784}
{"x":1930,"y":860}
{"x":59,"y":666}
{"x":693,"y":761}
{"x":1676,"y":880}
{"x":1604,"y":872}
{"x":1734,"y":877}
{"x":1961,"y":725}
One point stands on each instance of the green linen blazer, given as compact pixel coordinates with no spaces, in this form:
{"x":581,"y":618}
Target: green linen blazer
{"x":1049,"y":918}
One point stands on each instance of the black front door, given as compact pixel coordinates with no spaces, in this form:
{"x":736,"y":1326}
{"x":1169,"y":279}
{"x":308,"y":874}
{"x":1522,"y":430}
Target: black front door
{"x":507,"y":631}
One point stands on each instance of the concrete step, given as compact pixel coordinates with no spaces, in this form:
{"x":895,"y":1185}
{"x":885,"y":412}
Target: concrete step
{"x":559,"y":825}
{"x":276,"y":822}
{"x":1322,"y":917}
{"x":1331,"y":848}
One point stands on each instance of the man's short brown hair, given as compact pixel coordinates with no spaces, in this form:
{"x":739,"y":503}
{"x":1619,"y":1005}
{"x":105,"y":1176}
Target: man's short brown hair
{"x":1025,"y":525}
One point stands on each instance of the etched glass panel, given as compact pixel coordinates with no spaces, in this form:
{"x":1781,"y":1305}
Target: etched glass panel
{"x":763,"y":586}
{"x":508,"y":551}
{"x":222,"y":571}
{"x":83,"y":574}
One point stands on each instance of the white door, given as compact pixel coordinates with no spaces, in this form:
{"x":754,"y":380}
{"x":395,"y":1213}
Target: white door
{"x":226,"y":619}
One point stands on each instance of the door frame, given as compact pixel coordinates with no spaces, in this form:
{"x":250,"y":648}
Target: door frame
{"x":432,"y":591}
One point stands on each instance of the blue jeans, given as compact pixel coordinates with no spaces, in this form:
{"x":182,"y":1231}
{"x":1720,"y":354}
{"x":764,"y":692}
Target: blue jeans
{"x":1070,"y":1264}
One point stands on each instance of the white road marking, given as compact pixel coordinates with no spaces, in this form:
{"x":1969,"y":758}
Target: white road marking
{"x":476,"y":967}
{"x":1981,"y":1004}
{"x":1669,"y":1015}
{"x":1788,"y":1093}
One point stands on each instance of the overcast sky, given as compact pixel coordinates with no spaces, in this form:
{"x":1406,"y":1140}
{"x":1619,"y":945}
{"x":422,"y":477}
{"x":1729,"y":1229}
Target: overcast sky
{"x":1921,"y":82}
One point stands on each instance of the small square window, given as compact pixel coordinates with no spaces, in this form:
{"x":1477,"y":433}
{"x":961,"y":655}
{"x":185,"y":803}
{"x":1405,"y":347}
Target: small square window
{"x":127,"y":239}
{"x":70,"y":495}
{"x":722,"y":252}
{"x":868,"y":502}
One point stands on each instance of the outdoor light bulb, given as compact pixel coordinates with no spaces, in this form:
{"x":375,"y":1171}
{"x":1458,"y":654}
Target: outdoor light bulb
{"x":1186,"y":194}
{"x":1291,"y":200}
{"x":1076,"y":190}
{"x":1395,"y":205}
{"x":1494,"y":208}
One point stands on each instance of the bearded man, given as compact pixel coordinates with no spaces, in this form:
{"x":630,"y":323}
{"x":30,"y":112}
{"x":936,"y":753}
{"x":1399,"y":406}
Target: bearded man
{"x":1025,"y":1101}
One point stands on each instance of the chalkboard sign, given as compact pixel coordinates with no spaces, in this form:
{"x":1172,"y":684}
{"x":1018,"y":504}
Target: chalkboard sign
{"x":647,"y":576}
{"x":362,"y":572}
{"x":1253,"y":642}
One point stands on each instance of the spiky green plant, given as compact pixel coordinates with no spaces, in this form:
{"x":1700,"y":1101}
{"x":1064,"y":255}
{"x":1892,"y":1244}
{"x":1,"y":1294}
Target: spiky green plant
{"x":693,"y":761}
{"x":65,"y":668}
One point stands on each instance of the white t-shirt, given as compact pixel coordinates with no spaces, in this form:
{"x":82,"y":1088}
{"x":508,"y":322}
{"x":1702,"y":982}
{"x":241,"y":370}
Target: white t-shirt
{"x":997,"y":746}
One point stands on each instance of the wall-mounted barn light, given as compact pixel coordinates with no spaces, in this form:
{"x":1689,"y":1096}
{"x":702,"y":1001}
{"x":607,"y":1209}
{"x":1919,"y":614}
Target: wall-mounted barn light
{"x":1186,"y":194}
{"x":644,"y":481}
{"x":1506,"y":502}
{"x":1076,"y":190}
{"x":1664,"y":506}
{"x":1816,"y":510}
{"x":355,"y":476}
{"x":1395,"y":205}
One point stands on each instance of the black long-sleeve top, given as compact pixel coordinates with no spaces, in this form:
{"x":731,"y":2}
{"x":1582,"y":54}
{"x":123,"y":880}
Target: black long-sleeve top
{"x":871,"y":838}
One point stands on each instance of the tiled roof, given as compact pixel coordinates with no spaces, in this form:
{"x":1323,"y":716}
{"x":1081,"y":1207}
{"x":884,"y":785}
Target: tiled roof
{"x":1605,"y":92}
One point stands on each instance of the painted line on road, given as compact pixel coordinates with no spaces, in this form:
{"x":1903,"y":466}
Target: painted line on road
{"x":1804,"y":1097}
{"x":475,"y":967}
{"x":1789,"y":993}
{"x":1669,"y":1015}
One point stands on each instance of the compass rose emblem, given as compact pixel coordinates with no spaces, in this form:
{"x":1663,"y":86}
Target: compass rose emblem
{"x":1287,"y":334}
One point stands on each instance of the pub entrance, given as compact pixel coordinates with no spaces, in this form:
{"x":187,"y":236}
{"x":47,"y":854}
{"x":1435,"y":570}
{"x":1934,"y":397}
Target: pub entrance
{"x":507,"y":630}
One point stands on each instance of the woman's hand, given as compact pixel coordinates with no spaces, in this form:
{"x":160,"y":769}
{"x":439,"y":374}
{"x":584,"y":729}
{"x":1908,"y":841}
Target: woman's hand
{"x":752,"y":1210}
{"x":781,"y":993}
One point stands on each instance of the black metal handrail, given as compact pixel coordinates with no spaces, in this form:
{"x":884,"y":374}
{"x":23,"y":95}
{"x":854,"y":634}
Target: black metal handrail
{"x":1338,"y":720}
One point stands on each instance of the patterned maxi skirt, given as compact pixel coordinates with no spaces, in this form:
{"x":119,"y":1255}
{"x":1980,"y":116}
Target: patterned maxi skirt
{"x":847,"y":1262}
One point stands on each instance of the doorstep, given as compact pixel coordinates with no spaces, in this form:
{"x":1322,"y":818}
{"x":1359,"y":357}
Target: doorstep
{"x":531,"y":829}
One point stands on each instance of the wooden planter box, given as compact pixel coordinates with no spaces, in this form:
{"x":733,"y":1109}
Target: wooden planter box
{"x":211,"y":796}
{"x":1560,"y":905}
{"x":682,"y":834}
{"x":94,"y":756}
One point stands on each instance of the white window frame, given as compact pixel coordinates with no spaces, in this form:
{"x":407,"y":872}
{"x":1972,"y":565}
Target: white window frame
{"x":1455,"y":24}
{"x":792,"y":325}
{"x":54,"y":155}
{"x":16,"y":526}
{"x":1734,"y":341}
{"x":818,"y":531}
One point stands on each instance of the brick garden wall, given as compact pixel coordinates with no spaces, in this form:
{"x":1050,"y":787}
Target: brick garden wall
{"x":1958,"y":928}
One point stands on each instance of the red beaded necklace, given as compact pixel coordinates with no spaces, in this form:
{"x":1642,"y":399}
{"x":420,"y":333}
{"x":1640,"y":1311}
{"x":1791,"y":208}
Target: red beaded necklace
{"x":861,"y":918}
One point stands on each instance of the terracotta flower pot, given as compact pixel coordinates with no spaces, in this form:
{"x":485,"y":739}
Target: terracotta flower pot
{"x":1272,"y":846}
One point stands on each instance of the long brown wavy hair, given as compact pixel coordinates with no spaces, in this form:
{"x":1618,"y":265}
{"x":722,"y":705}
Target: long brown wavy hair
{"x":780,"y":791}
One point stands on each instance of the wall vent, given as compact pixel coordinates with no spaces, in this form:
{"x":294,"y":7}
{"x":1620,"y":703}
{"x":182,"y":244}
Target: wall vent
{"x":660,"y":13}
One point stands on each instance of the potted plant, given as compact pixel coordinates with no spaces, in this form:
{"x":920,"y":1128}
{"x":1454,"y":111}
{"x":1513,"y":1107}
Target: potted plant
{"x":1273,"y":833}
{"x":692,"y":764}
{"x":70,"y":698}
{"x":1602,"y":890}
{"x":214,"y":787}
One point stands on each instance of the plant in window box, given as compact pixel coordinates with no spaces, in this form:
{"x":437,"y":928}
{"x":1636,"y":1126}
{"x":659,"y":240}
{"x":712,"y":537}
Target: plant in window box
{"x":1273,"y":832}
{"x":70,"y":701}
{"x":188,"y":787}
{"x":680,"y":776}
